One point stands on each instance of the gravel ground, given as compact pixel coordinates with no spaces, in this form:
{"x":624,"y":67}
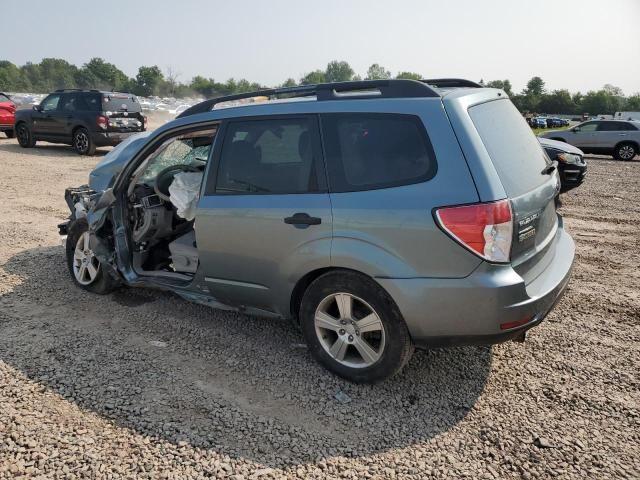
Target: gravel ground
{"x":141,"y":384}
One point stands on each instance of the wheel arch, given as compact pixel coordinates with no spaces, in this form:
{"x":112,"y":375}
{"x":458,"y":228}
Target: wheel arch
{"x":303,"y":283}
{"x":632,"y":142}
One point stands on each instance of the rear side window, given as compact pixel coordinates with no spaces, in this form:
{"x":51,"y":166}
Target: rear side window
{"x":276,"y":156}
{"x":615,"y":127}
{"x":515,"y":151}
{"x":369,"y":151}
{"x":120,"y":102}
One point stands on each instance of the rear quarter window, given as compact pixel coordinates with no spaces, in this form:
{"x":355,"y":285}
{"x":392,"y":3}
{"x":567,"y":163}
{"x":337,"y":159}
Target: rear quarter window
{"x":370,"y":151}
{"x":515,"y":151}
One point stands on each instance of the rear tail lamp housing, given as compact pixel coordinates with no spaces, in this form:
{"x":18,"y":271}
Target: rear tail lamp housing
{"x":102,"y":121}
{"x":485,"y":229}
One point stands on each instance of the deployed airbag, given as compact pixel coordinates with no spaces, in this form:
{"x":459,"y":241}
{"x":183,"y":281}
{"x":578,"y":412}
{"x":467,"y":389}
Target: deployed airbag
{"x":184,"y":193}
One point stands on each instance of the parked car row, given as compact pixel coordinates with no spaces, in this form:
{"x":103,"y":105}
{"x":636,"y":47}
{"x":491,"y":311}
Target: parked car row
{"x":547,"y":122}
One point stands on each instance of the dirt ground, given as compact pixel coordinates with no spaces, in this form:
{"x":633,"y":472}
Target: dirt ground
{"x":141,"y":384}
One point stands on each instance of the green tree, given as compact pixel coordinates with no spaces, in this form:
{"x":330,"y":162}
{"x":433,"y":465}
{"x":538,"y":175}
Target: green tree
{"x":311,"y":78}
{"x":289,"y":82}
{"x":10,"y":77}
{"x":558,"y":101}
{"x":535,"y":86}
{"x":502,"y":84}
{"x":600,"y":102}
{"x":377,"y":72}
{"x":338,"y":71}
{"x":148,"y":81}
{"x":409,"y":76}
{"x":632,"y":103}
{"x":97,"y":73}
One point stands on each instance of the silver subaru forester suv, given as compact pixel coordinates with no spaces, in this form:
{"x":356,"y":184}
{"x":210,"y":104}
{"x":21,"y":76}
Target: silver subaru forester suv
{"x":380,"y":215}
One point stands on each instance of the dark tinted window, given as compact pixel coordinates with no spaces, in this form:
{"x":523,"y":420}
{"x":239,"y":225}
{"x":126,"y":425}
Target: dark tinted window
{"x":615,"y":127}
{"x":74,"y":103}
{"x":268,"y":156}
{"x":369,"y":151}
{"x":512,"y":146}
{"x":120,"y":102}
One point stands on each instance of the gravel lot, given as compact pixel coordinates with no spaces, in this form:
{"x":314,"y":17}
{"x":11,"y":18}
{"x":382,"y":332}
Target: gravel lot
{"x":141,"y":384}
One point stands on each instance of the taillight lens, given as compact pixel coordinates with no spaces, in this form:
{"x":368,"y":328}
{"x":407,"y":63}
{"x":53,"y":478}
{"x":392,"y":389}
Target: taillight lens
{"x":103,"y":122}
{"x":484,"y":228}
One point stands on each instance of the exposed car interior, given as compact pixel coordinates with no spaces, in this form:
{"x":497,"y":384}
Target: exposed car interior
{"x":163,"y":194}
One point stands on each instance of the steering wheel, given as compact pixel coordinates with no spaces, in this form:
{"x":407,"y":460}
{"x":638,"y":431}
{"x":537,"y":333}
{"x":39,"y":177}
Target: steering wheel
{"x":165,"y":177}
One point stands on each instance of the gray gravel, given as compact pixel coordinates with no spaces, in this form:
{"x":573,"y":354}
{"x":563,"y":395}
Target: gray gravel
{"x":141,"y":384}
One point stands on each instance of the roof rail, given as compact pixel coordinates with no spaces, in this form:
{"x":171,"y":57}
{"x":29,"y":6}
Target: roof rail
{"x":328,"y":91}
{"x":61,"y":90}
{"x":451,"y":83}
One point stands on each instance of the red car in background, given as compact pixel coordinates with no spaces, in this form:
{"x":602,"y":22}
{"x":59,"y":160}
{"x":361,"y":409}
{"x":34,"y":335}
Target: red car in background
{"x":7,"y":115}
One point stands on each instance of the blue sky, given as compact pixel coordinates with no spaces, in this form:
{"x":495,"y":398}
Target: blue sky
{"x":575,"y":44}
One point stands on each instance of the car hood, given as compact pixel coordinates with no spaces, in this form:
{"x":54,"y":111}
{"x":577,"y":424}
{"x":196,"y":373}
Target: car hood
{"x":565,"y":147}
{"x":104,"y":174}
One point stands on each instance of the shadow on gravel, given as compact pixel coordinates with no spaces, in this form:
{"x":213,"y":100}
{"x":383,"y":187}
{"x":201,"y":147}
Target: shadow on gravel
{"x":10,"y":145}
{"x":239,"y":385}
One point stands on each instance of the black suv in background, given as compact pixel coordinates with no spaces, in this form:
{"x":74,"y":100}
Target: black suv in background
{"x":85,"y":119}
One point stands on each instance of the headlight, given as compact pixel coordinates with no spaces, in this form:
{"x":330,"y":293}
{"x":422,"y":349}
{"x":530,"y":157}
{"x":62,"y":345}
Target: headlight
{"x":570,"y":158}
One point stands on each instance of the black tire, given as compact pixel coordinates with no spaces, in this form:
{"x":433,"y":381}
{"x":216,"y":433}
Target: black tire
{"x":25,"y":137}
{"x":82,"y":142}
{"x":102,"y":283}
{"x":9,"y":133}
{"x":397,"y":347}
{"x":625,"y":151}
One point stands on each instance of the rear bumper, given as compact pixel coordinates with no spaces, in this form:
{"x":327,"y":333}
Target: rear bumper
{"x":105,"y":139}
{"x":471,"y":310}
{"x":6,"y":126}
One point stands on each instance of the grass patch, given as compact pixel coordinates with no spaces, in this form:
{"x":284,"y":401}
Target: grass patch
{"x":538,"y":131}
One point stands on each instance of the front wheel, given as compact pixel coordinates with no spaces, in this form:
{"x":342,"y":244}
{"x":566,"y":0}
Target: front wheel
{"x":353,"y":327}
{"x":625,"y":151}
{"x":25,"y":137}
{"x":84,"y":267}
{"x":82,"y":142}
{"x":9,"y":133}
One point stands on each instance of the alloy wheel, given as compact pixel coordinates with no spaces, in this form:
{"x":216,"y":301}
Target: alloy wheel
{"x":82,"y":142}
{"x":349,"y":330}
{"x":85,"y":263}
{"x":626,"y":152}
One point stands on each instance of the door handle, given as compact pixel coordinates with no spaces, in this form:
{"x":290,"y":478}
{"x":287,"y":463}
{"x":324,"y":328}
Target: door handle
{"x":302,"y":219}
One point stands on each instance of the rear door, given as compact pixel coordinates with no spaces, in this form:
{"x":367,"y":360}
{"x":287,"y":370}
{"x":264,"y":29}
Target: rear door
{"x":123,"y":111}
{"x":609,"y":134}
{"x":264,"y":219}
{"x":523,"y":169}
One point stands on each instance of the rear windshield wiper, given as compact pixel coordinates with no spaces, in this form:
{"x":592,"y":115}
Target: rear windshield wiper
{"x":549,"y":169}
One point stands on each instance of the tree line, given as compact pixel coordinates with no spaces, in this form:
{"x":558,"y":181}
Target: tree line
{"x":53,"y":73}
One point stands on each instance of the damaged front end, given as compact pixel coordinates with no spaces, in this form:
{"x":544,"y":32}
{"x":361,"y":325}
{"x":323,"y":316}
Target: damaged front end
{"x":94,"y":208}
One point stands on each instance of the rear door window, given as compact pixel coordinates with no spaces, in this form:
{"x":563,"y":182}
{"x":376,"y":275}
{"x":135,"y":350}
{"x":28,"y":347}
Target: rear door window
{"x":515,"y":151}
{"x":276,"y":156}
{"x":371,"y":151}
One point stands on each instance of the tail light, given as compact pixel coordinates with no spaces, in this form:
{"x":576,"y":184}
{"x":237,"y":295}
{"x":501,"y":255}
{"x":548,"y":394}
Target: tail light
{"x":103,"y":122}
{"x":484,"y":228}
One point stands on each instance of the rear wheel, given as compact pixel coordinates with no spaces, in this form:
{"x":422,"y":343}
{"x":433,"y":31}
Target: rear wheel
{"x":84,"y":267}
{"x":82,"y":142}
{"x":625,"y":151}
{"x":25,"y":137}
{"x":353,"y":328}
{"x":9,"y":133}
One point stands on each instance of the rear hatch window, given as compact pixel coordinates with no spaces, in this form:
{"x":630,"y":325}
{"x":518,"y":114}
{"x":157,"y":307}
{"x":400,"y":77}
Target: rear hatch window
{"x":124,"y":112}
{"x":519,"y":161}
